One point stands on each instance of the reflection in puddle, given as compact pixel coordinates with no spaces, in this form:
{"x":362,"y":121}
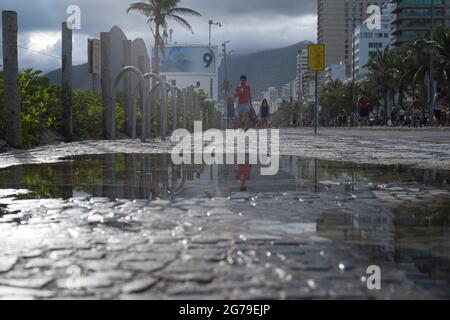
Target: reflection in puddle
{"x":390,"y":214}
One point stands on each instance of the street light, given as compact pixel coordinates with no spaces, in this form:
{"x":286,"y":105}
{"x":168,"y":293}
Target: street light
{"x":229,"y":59}
{"x":431,"y":84}
{"x":211,"y":23}
{"x":225,"y":57}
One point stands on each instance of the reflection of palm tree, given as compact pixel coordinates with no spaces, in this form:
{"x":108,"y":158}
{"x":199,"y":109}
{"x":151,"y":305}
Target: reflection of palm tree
{"x":158,"y":12}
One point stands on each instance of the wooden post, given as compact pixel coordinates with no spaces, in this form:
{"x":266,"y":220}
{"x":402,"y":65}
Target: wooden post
{"x":106,"y":82}
{"x":11,"y":83}
{"x":129,"y":115}
{"x":66,"y":83}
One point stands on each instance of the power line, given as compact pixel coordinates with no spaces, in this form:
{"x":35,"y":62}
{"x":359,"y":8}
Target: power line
{"x":46,"y":54}
{"x":41,"y":53}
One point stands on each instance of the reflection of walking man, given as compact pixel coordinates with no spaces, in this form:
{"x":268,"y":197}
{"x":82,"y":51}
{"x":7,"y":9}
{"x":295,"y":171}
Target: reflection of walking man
{"x":243,"y":93}
{"x":243,"y":175}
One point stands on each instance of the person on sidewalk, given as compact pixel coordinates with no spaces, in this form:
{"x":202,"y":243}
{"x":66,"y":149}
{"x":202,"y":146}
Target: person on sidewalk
{"x":264,"y":114}
{"x":244,"y":104}
{"x":363,"y":106}
{"x":437,"y":104}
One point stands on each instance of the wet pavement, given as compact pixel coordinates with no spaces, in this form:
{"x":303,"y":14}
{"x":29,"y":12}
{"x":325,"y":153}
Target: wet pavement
{"x":133,"y":226}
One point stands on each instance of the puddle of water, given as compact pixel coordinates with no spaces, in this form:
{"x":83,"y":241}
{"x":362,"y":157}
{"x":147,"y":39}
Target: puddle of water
{"x":153,"y":176}
{"x":389,"y":213}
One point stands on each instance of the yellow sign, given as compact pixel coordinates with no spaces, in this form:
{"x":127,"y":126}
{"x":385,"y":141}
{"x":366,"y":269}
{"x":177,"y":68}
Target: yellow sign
{"x":316,"y":57}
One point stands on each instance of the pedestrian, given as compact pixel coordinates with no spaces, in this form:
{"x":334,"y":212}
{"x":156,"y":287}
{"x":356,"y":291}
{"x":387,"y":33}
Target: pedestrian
{"x":264,"y":114}
{"x":393,"y":118}
{"x":416,"y":112}
{"x":402,"y":116}
{"x":444,"y":108}
{"x":244,"y":102}
{"x":363,"y":106}
{"x":437,"y":104}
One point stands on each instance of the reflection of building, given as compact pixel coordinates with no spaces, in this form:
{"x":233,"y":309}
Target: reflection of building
{"x":367,"y":41}
{"x":412,"y":19}
{"x":192,"y":65}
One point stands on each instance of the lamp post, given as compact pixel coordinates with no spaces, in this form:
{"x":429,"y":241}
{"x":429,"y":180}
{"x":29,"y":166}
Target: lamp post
{"x":225,"y":57}
{"x":431,"y":84}
{"x":353,"y":56}
{"x":211,"y":23}
{"x":229,"y":59}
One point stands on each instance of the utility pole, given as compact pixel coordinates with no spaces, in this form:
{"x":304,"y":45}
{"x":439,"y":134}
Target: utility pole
{"x":211,"y":23}
{"x":11,"y":84}
{"x":353,"y":57}
{"x":431,"y":80}
{"x":316,"y":102}
{"x":225,"y":57}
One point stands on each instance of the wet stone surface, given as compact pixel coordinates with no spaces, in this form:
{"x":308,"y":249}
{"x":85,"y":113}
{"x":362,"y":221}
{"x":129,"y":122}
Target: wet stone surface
{"x":147,"y":230}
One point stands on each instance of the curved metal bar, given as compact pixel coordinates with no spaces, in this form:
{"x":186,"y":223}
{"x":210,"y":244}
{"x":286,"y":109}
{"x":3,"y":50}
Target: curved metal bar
{"x":115,"y":87}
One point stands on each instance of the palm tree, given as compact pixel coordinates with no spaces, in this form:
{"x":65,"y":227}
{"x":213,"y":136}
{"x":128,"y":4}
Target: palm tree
{"x":417,"y":58}
{"x":158,"y":12}
{"x":441,"y":47}
{"x":381,"y":73}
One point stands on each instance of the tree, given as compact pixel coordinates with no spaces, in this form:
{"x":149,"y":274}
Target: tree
{"x":441,"y":48}
{"x":158,"y":12}
{"x":381,"y":68}
{"x":418,"y":59}
{"x":337,"y":97}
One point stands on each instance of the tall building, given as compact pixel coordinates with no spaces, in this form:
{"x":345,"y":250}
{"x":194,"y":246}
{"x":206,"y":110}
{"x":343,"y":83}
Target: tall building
{"x":335,"y":72}
{"x":412,"y":19}
{"x":304,"y":76}
{"x":285,"y":92}
{"x":337,"y":20}
{"x":368,"y":41}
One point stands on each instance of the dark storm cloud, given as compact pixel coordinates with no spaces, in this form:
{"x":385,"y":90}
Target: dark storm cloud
{"x":251,"y":25}
{"x":238,"y":7}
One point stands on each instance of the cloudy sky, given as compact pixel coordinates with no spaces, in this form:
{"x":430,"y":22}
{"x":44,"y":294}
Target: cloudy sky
{"x":250,"y":25}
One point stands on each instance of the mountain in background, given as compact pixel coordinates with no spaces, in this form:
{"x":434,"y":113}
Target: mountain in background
{"x":269,"y":68}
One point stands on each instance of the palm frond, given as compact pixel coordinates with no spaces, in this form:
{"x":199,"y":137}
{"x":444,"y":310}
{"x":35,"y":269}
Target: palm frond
{"x":183,"y":12}
{"x":183,"y":22}
{"x":142,"y":8}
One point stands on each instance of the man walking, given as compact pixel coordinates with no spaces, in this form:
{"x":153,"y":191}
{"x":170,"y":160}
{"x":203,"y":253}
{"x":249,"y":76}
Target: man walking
{"x":244,"y":104}
{"x":363,"y":106}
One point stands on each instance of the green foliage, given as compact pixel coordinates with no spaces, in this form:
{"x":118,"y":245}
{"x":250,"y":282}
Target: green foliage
{"x":40,"y":103}
{"x":41,"y":110}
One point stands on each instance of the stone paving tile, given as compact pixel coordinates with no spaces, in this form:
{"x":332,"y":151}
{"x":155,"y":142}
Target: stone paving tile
{"x":270,"y":245}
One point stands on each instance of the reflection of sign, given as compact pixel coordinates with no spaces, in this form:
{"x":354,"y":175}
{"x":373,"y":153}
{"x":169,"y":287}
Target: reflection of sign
{"x":94,"y":56}
{"x":316,"y":57}
{"x":188,"y":60}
